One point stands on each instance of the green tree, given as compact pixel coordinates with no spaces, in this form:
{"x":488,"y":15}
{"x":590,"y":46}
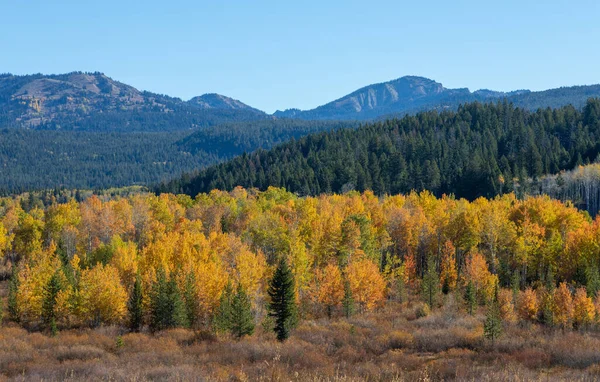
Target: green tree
{"x":515,"y":284}
{"x":222,"y":318}
{"x":190,"y":294}
{"x":592,"y":279}
{"x":430,"y":286}
{"x":348,"y":300}
{"x":242,"y":318}
{"x":136,"y":314}
{"x":13,"y":290}
{"x":167,"y":305}
{"x":470,"y":297}
{"x":492,"y":327}
{"x":50,"y":294}
{"x":282,"y":294}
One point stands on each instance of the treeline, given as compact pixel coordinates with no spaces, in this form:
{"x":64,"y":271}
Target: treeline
{"x":222,"y":261}
{"x":38,"y":160}
{"x":479,"y":150}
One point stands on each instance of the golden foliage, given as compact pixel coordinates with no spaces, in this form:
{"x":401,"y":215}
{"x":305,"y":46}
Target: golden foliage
{"x":366,"y":283}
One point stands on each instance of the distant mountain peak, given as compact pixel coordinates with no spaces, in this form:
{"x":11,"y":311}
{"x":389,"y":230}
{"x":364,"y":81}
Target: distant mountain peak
{"x":218,"y":101}
{"x":41,"y":100}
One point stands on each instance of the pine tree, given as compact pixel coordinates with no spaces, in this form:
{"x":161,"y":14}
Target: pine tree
{"x":190,"y":298}
{"x":515,"y":284}
{"x":492,"y":327}
{"x":167,"y":305}
{"x":430,"y":286}
{"x":222,"y":318}
{"x":179,"y":317}
{"x":242,"y":319}
{"x":592,"y":279}
{"x":348,"y":301}
{"x":13,"y":289}
{"x":282,"y":306}
{"x":49,"y":299}
{"x":470,"y":298}
{"x":136,"y":314}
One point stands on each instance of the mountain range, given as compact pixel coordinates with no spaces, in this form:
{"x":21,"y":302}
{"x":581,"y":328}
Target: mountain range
{"x":94,"y":101}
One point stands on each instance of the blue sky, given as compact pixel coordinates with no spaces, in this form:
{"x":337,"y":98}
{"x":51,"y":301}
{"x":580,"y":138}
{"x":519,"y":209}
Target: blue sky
{"x":282,"y":54}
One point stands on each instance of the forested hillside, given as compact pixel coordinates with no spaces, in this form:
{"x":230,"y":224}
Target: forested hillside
{"x":47,"y":159}
{"x":479,"y":150}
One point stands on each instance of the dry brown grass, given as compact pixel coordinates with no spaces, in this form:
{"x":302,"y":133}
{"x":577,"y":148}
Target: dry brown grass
{"x":391,"y":344}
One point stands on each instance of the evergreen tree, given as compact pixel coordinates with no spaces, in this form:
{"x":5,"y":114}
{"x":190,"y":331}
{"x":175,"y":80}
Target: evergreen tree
{"x":348,"y":300}
{"x":592,"y":279}
{"x":515,"y":284}
{"x":470,"y":298}
{"x":49,"y":299}
{"x":430,"y":285}
{"x":167,"y":305}
{"x":191,"y":301}
{"x":13,"y":289}
{"x":282,"y":306}
{"x":242,"y":319}
{"x":492,"y":327}
{"x":136,"y":314}
{"x":222,"y":318}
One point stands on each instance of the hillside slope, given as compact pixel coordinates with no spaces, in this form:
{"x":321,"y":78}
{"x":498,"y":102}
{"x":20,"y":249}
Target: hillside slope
{"x":93,"y":101}
{"x":477,"y":151}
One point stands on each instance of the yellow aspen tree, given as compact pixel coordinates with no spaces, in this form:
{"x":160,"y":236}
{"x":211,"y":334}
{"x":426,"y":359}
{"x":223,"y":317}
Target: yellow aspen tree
{"x":584,"y":311}
{"x":329,"y":287}
{"x":476,"y":271}
{"x":563,"y":306}
{"x":366,"y":283}
{"x":33,"y":277}
{"x":125,"y":259}
{"x":249,"y":271}
{"x":506,"y":306}
{"x":528,"y":305}
{"x":448,"y":273}
{"x":103,"y":298}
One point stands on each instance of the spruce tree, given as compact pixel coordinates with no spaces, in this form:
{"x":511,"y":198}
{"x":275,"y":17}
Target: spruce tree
{"x":50,"y":294}
{"x":222,"y":317}
{"x":515,"y":284}
{"x":492,"y":327}
{"x":13,"y":289}
{"x":190,"y":298}
{"x":592,"y":279}
{"x":430,"y":285}
{"x":348,"y":301}
{"x":136,"y":314}
{"x":167,"y":305}
{"x":470,"y":298}
{"x":282,"y":306}
{"x":242,"y":319}
{"x":179,"y":317}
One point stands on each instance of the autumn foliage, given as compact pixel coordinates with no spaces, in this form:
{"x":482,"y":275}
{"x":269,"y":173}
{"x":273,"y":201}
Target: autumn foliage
{"x":355,"y":246}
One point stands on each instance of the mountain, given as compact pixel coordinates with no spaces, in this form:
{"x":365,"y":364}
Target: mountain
{"x":410,"y":94}
{"x":93,"y":101}
{"x":478,"y":150}
{"x":218,"y":101}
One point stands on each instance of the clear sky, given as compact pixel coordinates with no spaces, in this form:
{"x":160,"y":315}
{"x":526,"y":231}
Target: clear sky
{"x":282,"y":54}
